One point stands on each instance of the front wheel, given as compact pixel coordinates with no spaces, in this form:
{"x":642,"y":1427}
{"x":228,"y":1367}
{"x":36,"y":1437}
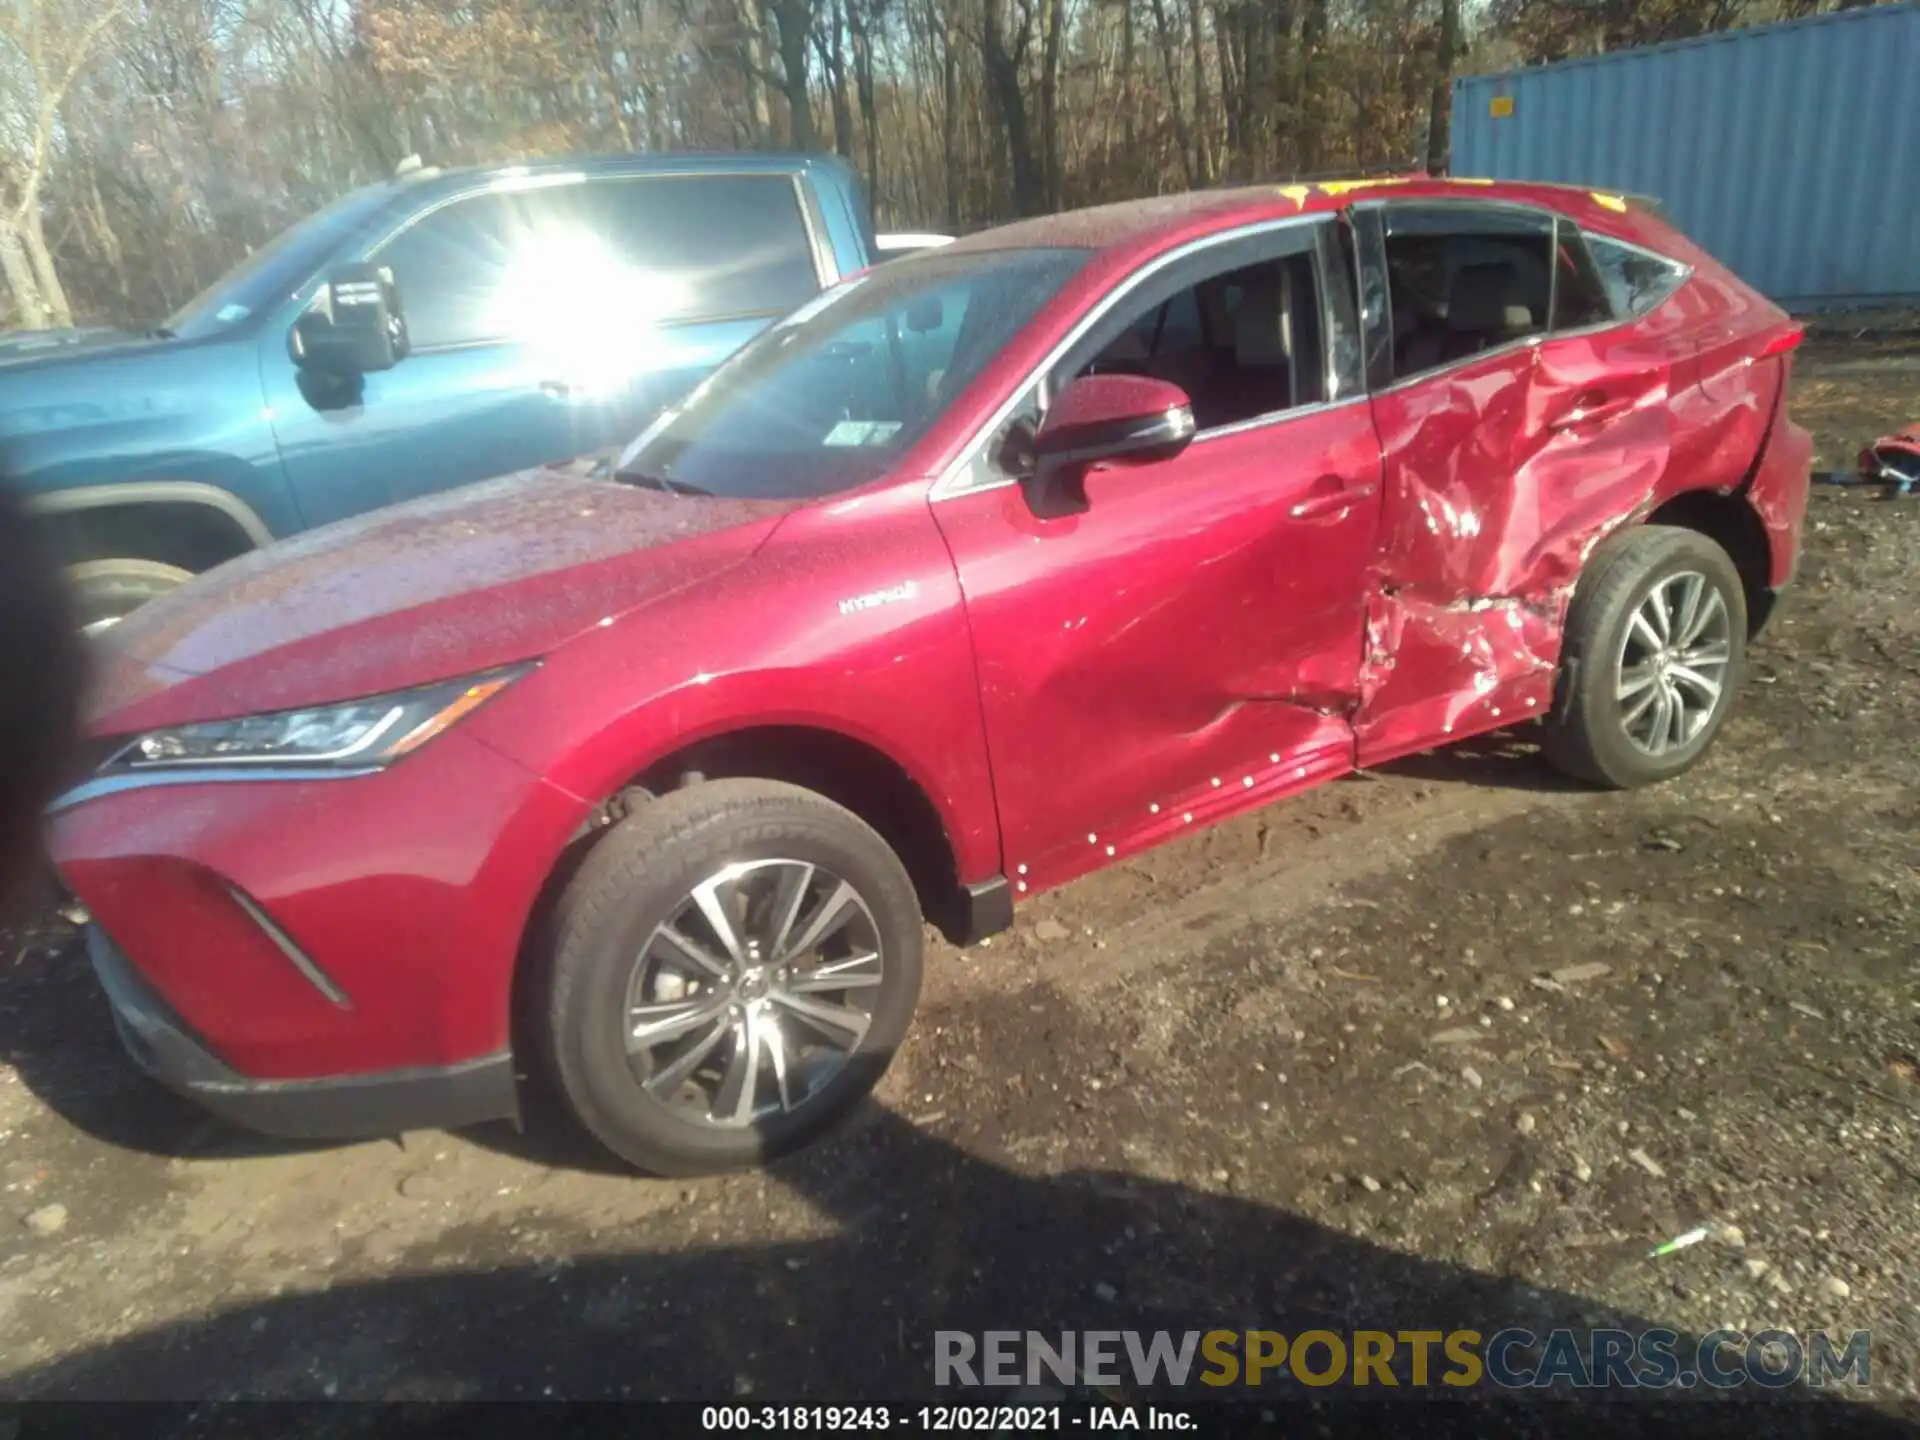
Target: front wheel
{"x":732,"y":969}
{"x":105,"y":592}
{"x":1654,"y":650}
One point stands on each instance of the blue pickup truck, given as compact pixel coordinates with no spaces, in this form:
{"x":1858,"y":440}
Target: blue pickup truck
{"x":437,"y":329}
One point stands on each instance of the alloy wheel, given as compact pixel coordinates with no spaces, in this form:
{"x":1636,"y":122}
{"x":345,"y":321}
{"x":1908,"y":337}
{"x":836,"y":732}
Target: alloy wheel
{"x":754,"y":994}
{"x":1670,"y":677}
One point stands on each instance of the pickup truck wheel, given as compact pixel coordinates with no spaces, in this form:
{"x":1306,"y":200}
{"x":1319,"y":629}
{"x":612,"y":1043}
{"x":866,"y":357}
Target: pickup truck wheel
{"x":731,"y":970}
{"x":107,"y":591}
{"x":1654,"y":651}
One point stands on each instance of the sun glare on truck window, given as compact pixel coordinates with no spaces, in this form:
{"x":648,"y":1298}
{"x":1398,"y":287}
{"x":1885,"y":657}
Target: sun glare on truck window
{"x":587,"y":317}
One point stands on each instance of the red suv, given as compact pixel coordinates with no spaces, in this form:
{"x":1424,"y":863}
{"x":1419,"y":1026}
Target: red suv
{"x":993,"y":566}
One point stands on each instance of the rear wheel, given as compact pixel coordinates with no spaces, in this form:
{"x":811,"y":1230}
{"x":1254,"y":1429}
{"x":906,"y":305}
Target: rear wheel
{"x":107,"y":591}
{"x":1655,"y":648}
{"x":732,"y":969}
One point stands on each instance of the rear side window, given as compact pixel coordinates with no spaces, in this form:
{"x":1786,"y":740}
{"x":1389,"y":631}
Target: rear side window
{"x":609,"y":256}
{"x":737,"y":244}
{"x":1635,"y":280}
{"x":1463,"y":279}
{"x":1579,"y":295}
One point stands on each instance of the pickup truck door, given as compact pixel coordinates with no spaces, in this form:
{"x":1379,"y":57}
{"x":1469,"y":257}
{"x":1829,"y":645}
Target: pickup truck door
{"x":547,"y":321}
{"x":1189,"y":645}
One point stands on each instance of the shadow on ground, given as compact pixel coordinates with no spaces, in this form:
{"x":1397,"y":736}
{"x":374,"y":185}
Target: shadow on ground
{"x":57,"y":1033}
{"x":917,"y":1236}
{"x":924,"y":1237}
{"x":1502,"y":760}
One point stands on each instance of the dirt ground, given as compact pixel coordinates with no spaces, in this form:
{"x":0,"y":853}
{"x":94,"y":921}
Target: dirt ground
{"x":1449,"y":1043}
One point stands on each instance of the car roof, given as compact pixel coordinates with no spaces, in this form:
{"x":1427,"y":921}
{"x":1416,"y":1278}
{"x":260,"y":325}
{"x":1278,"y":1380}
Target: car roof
{"x":687,"y":163}
{"x":1148,"y":226}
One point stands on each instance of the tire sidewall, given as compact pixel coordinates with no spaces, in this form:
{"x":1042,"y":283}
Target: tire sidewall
{"x":589,"y":1030}
{"x":114,"y":589}
{"x":1618,"y":757}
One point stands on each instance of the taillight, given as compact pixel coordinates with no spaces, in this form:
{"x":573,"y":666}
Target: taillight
{"x":1783,"y":341}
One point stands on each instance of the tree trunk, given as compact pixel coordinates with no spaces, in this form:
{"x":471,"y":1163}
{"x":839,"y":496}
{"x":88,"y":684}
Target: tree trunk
{"x":1281,"y":125}
{"x":1440,"y":110}
{"x":833,"y":62}
{"x":1126,"y":76}
{"x":793,"y":19}
{"x":1181,"y":137}
{"x":1230,"y":39}
{"x":754,"y":44}
{"x":1056,"y":25}
{"x":1003,"y":79}
{"x":869,"y":117}
{"x":950,"y":114}
{"x":30,"y":309}
{"x":1202,"y":158}
{"x":1313,"y":38}
{"x":105,"y":238}
{"x":1257,"y":84}
{"x":53,"y":294}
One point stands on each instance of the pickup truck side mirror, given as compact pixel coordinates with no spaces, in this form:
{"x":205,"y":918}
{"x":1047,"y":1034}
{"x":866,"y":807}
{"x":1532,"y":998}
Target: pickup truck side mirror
{"x":1102,"y":420}
{"x":358,"y":327}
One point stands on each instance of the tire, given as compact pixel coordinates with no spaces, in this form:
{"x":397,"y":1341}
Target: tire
{"x":1591,"y":735}
{"x":605,"y":955}
{"x":106,"y":591}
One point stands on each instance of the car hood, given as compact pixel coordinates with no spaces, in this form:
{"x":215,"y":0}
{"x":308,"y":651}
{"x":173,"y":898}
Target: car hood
{"x":462,"y":581}
{"x":25,"y":348}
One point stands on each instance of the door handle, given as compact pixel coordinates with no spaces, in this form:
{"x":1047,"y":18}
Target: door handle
{"x":1593,"y":408}
{"x":1330,"y":493}
{"x":556,"y":389}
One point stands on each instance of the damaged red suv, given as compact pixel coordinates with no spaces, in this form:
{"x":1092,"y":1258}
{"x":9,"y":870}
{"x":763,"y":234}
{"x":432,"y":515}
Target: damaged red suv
{"x":991,"y":567}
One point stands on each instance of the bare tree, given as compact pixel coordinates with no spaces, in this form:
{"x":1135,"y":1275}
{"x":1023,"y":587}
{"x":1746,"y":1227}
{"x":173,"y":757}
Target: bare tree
{"x":1440,"y":108}
{"x":147,"y":145}
{"x":45,"y":45}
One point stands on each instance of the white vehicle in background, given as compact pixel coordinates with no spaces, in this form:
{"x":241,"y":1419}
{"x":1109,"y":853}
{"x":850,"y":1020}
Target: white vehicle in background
{"x":905,"y":242}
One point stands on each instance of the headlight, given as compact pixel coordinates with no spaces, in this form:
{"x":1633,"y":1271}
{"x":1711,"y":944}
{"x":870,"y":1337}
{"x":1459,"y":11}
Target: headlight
{"x":359,"y":733}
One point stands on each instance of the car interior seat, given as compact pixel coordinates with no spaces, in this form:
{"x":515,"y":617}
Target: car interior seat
{"x":1260,"y":379}
{"x":1484,"y":309}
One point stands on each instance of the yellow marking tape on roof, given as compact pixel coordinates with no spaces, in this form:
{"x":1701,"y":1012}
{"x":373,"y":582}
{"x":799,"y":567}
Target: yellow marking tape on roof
{"x":1341,"y":187}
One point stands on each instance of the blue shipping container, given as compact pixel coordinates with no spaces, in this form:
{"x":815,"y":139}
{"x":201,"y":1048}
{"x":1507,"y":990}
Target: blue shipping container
{"x":1790,"y":152}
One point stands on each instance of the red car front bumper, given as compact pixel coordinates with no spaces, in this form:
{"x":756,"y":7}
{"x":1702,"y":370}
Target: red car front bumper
{"x":319,"y":956}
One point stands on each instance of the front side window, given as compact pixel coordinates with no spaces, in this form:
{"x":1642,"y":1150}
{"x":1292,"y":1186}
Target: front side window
{"x":452,"y":266}
{"x":1634,"y":279}
{"x":1242,"y":342}
{"x":1462,"y":279}
{"x":832,"y":396}
{"x":609,"y":255}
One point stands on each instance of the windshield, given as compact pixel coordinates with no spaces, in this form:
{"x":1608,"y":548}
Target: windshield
{"x":833,"y":395}
{"x":278,"y":268}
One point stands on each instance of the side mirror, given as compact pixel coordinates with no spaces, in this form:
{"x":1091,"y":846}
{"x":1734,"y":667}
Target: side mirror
{"x":1103,"y":420}
{"x":358,"y":327}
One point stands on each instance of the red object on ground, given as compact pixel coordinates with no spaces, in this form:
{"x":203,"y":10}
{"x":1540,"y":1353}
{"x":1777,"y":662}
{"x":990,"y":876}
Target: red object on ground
{"x":1902,"y":443}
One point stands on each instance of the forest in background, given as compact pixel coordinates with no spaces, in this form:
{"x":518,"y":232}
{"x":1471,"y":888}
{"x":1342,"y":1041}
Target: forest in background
{"x":146,"y":145}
